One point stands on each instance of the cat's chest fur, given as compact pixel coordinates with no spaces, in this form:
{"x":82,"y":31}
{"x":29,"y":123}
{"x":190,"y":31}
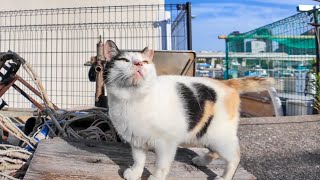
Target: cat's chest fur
{"x":142,"y":121}
{"x":130,"y":118}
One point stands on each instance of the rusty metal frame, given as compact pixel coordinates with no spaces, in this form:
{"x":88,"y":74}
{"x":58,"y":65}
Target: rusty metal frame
{"x":12,"y":78}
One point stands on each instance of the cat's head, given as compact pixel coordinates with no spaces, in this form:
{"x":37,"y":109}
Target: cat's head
{"x":128,"y":69}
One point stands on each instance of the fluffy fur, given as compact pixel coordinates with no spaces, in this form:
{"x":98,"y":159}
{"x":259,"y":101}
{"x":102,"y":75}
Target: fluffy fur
{"x":162,"y":112}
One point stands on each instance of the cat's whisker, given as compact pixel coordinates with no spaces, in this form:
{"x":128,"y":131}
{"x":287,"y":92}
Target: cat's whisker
{"x":114,"y":78}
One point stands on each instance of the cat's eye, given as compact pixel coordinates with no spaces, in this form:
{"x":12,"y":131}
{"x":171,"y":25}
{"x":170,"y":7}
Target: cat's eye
{"x":145,"y":62}
{"x":123,"y":59}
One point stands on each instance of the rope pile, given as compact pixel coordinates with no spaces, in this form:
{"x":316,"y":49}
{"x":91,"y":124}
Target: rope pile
{"x":93,"y":124}
{"x":100,"y":128}
{"x":13,"y":161}
{"x":7,"y":125}
{"x":89,"y":124}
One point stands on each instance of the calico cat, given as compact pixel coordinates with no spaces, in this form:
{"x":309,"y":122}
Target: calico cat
{"x":161,"y":112}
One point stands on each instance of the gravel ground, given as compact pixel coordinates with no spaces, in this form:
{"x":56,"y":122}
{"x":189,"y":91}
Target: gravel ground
{"x":286,"y":148}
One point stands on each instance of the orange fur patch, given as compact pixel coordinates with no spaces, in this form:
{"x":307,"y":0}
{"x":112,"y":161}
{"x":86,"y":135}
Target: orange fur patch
{"x":213,"y":155}
{"x":234,"y":83}
{"x":207,"y":112}
{"x":249,"y":84}
{"x":232,"y":99}
{"x":232,"y":103}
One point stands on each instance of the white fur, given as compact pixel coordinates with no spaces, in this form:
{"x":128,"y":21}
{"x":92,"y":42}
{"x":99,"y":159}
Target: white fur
{"x":152,"y":116}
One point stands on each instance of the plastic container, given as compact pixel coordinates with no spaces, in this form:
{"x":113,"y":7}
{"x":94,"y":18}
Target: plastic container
{"x":296,"y":107}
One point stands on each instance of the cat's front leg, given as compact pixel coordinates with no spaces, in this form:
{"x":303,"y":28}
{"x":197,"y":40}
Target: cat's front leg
{"x":139,"y":158}
{"x":165,"y":153}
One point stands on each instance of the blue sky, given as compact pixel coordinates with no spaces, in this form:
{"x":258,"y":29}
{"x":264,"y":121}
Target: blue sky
{"x":220,"y":17}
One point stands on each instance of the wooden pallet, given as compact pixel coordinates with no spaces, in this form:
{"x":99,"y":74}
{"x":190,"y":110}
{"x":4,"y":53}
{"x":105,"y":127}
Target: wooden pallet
{"x":68,"y":159}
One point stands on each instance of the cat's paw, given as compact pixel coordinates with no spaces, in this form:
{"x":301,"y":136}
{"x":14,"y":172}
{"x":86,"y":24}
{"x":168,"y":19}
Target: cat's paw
{"x":198,"y":162}
{"x":151,"y":177}
{"x":218,"y":178}
{"x":131,"y":175}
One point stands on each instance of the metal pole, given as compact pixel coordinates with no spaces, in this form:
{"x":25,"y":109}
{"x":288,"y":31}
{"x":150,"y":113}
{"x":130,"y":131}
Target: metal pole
{"x":189,"y":26}
{"x":316,"y":27}
{"x":317,"y":40}
{"x":100,"y":98}
{"x":227,"y":59}
{"x":226,"y":74}
{"x":315,"y":14}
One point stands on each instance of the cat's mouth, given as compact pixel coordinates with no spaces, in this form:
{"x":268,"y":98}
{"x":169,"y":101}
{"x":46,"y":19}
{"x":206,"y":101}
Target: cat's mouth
{"x":140,"y":73}
{"x":138,"y":76}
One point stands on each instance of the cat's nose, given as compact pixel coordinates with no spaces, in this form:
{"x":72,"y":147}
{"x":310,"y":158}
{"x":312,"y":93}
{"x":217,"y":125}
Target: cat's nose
{"x":138,"y":63}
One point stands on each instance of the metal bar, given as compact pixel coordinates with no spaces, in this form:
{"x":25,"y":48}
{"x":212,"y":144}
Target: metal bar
{"x":35,"y":91}
{"x":227,"y":60}
{"x":4,"y":88}
{"x":29,"y":86}
{"x":271,"y":37}
{"x":189,"y":26}
{"x":315,"y":14}
{"x":33,"y":101}
{"x":99,"y":68}
{"x":187,"y":67}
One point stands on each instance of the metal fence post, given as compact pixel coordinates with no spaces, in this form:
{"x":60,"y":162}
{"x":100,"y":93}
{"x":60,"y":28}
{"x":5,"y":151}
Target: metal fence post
{"x":316,"y":26}
{"x":226,"y":73}
{"x":317,"y":64}
{"x":227,"y":59}
{"x":189,"y":26}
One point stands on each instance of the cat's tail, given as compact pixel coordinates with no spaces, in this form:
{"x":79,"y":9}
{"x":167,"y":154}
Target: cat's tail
{"x":250,"y":84}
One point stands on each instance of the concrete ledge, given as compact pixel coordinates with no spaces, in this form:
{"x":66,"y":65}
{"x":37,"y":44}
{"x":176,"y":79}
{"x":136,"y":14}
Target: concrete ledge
{"x":282,"y":119}
{"x":69,"y":159}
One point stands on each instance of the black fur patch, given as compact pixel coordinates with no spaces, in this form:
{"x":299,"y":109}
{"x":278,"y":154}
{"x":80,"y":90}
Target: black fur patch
{"x":194,"y":102}
{"x":205,"y":93}
{"x":192,"y":106}
{"x":204,"y":129}
{"x":109,"y":65}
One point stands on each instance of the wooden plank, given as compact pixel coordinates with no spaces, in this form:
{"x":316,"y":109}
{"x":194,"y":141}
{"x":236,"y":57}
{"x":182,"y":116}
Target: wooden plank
{"x":68,"y":159}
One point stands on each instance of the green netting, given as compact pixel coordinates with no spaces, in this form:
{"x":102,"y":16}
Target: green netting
{"x":300,"y":41}
{"x":284,"y":50}
{"x":285,"y":32}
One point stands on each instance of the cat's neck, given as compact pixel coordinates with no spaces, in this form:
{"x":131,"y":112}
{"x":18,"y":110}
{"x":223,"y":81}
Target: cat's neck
{"x":130,"y":93}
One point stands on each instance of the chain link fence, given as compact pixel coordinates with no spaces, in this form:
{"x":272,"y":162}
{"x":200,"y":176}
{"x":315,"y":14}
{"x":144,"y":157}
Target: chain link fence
{"x":57,"y":43}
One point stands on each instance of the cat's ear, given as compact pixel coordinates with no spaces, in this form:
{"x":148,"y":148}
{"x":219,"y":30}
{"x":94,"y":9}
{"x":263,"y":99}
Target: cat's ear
{"x":148,"y":52}
{"x":110,"y":50}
